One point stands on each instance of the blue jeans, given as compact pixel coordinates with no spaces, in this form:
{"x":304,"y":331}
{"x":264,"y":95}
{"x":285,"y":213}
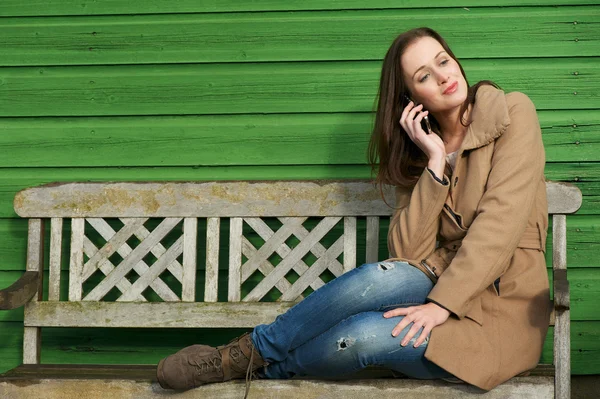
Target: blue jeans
{"x":340,"y":328}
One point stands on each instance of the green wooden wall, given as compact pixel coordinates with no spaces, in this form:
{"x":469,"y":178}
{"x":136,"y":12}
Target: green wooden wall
{"x":268,"y":89}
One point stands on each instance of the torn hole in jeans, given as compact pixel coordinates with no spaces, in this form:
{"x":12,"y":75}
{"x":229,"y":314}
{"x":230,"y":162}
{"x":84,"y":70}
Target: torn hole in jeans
{"x":344,"y":343}
{"x":385,"y":266}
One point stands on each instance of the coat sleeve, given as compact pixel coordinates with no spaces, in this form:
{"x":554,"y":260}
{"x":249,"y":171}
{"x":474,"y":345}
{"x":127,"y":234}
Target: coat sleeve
{"x":415,"y":222}
{"x":501,"y":218}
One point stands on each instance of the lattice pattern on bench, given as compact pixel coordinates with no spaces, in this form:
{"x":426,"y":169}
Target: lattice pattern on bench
{"x":90,"y":257}
{"x":275,"y":242}
{"x":118,"y":275}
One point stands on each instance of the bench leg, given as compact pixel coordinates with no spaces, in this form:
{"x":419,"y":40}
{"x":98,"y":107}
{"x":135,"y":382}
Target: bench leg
{"x":31,"y":345}
{"x":562,"y":355}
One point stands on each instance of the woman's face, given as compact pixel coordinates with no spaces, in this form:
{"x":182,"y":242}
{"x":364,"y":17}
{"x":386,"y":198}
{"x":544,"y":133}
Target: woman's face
{"x":432,"y":76}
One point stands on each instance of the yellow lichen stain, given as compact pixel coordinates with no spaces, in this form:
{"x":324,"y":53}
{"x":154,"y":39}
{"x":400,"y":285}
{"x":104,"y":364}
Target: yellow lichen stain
{"x":220,"y":191}
{"x":18,"y":201}
{"x":150,"y":204}
{"x":166,"y":195}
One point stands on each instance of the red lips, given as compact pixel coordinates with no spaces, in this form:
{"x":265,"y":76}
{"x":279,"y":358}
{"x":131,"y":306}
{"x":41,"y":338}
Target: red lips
{"x":452,"y":88}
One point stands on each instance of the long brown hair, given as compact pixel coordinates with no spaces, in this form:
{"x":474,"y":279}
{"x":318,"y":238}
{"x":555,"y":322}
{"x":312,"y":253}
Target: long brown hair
{"x":393,"y":156}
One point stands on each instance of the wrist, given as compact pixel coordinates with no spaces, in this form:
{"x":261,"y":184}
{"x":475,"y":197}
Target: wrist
{"x":437,"y":166}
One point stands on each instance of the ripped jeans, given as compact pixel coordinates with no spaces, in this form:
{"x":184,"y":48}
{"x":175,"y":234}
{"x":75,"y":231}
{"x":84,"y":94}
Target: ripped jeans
{"x":340,"y":328}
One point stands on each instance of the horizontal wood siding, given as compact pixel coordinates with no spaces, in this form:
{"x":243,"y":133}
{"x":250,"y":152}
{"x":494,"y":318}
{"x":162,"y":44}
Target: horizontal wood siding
{"x":202,"y":90}
{"x":115,"y":7}
{"x":293,"y":36}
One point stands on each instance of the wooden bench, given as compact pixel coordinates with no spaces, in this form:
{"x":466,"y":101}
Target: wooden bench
{"x":278,"y":229}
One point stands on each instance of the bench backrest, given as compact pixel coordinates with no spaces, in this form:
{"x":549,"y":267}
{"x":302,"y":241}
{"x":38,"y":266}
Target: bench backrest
{"x":131,"y":242}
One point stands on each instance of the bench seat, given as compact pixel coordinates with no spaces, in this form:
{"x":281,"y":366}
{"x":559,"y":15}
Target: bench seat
{"x":125,"y":381}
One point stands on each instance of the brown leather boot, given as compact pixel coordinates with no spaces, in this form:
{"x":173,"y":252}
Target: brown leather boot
{"x":202,"y":364}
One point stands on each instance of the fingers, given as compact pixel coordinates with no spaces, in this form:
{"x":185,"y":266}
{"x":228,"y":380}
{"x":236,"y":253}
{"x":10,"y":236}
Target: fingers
{"x":408,"y":115}
{"x":423,"y":336}
{"x":402,"y":325}
{"x":410,"y":334}
{"x":410,"y":121}
{"x":422,"y":316}
{"x":405,"y":113}
{"x":417,"y":121}
{"x":396,"y":312}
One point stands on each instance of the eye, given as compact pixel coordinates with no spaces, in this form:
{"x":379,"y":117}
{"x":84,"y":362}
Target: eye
{"x":423,"y":78}
{"x":444,"y":62}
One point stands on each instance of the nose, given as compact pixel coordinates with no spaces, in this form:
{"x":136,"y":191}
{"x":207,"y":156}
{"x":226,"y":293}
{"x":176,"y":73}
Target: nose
{"x":441,"y":76}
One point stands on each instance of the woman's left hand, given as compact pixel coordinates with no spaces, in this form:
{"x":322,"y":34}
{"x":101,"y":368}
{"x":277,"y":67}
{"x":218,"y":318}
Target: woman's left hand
{"x":427,"y":316}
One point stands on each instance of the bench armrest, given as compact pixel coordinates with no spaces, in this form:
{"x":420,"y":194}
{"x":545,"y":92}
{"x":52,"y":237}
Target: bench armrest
{"x":20,"y":292}
{"x":562,"y":299}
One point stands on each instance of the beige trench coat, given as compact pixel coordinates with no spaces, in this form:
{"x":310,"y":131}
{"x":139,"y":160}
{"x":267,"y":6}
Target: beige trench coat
{"x":490,"y":221}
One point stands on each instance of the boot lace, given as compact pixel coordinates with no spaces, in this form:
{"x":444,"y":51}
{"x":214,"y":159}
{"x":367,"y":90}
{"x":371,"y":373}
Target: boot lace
{"x":204,"y":365}
{"x":249,"y":373}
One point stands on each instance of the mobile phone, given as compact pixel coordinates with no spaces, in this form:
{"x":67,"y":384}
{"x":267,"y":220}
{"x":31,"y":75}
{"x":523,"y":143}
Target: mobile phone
{"x":425,"y":121}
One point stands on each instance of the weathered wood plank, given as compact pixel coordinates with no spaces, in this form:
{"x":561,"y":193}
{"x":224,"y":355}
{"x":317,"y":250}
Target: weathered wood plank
{"x":203,"y":199}
{"x":300,"y":388}
{"x":562,"y":355}
{"x":212,"y":259}
{"x":56,"y":225}
{"x":188,"y":282}
{"x":227,"y":199}
{"x":20,"y":292}
{"x":563,"y":198}
{"x":32,"y":345}
{"x":582,"y":174}
{"x":372,"y":239}
{"x":236,"y":225}
{"x":16,"y":8}
{"x":333,"y":139}
{"x":284,"y":36}
{"x":334,"y":87}
{"x":76,"y":259}
{"x":562,"y":332}
{"x":154,"y":314}
{"x":32,"y":338}
{"x":349,"y":243}
{"x":559,"y":242}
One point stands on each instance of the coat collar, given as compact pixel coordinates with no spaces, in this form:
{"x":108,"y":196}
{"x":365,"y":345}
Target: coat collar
{"x":490,"y":118}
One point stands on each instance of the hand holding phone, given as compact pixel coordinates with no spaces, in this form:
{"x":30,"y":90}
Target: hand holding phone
{"x":432,"y":145}
{"x":425,"y":122}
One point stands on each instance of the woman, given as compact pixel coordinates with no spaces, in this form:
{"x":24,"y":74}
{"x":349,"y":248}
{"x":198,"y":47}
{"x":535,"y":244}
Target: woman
{"x":466,"y":294}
